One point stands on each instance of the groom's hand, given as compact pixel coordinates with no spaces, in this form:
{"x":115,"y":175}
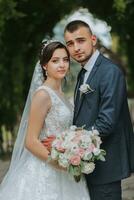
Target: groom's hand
{"x":48,"y":142}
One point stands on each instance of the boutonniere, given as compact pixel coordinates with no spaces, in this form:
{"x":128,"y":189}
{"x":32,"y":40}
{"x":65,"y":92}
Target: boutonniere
{"x":85,"y":88}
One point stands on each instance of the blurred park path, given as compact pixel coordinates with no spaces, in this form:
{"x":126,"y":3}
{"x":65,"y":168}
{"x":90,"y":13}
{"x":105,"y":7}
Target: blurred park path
{"x":3,"y":168}
{"x":127,"y":185}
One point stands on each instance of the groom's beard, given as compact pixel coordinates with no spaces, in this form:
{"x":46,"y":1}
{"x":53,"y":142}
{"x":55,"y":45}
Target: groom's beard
{"x":84,"y":60}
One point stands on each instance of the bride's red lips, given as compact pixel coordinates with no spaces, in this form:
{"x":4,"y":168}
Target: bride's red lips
{"x":62,"y":71}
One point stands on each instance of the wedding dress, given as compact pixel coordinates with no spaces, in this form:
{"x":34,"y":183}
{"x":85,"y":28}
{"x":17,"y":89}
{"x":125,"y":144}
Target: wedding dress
{"x":35,"y":179}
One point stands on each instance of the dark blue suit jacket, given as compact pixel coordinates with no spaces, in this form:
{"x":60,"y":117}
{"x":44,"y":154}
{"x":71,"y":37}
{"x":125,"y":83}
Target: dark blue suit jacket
{"x":106,"y":109}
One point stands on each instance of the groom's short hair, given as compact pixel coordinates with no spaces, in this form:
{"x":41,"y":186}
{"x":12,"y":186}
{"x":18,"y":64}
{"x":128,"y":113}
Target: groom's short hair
{"x":75,"y":25}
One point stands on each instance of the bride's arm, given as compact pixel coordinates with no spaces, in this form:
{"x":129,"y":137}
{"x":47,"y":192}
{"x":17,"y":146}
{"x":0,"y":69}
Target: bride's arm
{"x":41,"y":104}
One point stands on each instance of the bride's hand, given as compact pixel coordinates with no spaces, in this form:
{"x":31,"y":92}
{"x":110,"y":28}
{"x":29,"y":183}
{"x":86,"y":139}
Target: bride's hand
{"x":47,"y":142}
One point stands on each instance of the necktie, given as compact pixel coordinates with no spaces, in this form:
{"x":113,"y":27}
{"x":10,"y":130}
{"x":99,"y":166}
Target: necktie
{"x":79,"y":83}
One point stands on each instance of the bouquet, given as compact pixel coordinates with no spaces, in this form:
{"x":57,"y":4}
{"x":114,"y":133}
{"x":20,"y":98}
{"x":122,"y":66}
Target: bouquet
{"x":77,"y":150}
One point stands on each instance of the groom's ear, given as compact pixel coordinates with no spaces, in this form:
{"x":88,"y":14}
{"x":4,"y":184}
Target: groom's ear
{"x":94,"y":40}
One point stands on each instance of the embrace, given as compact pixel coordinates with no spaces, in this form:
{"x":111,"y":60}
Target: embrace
{"x":100,"y":103}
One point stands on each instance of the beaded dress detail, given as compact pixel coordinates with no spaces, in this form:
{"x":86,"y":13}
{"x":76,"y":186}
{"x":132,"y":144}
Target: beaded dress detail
{"x":37,"y":180}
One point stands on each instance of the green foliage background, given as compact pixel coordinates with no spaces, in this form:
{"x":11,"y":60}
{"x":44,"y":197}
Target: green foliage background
{"x":23,"y":25}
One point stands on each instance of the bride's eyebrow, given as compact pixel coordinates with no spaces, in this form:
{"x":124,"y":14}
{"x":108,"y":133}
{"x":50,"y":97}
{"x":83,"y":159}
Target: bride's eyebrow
{"x":55,"y":57}
{"x":59,"y":57}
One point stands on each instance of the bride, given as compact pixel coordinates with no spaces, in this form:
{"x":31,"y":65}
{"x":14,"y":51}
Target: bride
{"x":31,"y":174}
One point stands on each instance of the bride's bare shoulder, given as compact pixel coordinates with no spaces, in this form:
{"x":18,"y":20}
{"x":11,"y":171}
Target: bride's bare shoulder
{"x":41,"y":97}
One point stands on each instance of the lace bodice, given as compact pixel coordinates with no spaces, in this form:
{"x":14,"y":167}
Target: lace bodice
{"x":60,"y":115}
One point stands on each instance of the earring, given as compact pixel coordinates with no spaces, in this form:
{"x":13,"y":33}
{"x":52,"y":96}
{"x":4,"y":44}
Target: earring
{"x":45,"y":71}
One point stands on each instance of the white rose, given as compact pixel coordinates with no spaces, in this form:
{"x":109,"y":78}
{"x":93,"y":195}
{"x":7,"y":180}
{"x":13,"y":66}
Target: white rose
{"x":96,"y":151}
{"x":84,"y":145}
{"x":87,"y":156}
{"x":63,"y":161}
{"x":67,"y":144}
{"x":54,"y":154}
{"x":73,"y":128}
{"x":74,"y":147}
{"x":86,"y":138}
{"x":88,"y":168}
{"x":95,"y":132}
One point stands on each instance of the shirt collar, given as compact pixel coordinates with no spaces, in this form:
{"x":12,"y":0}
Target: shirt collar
{"x":88,"y":66}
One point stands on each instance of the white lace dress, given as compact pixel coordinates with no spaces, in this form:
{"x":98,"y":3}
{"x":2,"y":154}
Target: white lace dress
{"x":37,"y":180}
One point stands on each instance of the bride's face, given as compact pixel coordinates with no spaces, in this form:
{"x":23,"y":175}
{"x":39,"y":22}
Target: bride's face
{"x":58,"y":65}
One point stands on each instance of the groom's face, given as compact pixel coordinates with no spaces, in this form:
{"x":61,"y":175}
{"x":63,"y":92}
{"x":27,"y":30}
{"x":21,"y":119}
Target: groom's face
{"x":81,"y":44}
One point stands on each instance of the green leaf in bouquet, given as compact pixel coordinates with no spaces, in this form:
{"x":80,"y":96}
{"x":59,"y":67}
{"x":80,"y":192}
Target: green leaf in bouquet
{"x":93,"y":158}
{"x":81,"y":163}
{"x":94,"y":141}
{"x":103,"y":152}
{"x":70,"y":169}
{"x":80,"y":128}
{"x":101,"y":157}
{"x":76,"y":170}
{"x":77,"y":178}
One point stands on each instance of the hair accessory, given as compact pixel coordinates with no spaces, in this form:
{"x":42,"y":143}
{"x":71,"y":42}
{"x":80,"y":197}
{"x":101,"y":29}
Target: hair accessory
{"x":46,"y":43}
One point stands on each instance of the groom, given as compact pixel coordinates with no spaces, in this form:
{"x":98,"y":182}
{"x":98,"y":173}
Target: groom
{"x":102,"y":105}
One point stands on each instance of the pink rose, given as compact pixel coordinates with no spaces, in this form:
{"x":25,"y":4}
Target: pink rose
{"x":80,"y":152}
{"x":59,"y":147}
{"x":75,"y":160}
{"x":91,"y":148}
{"x":58,"y":143}
{"x":76,"y":139}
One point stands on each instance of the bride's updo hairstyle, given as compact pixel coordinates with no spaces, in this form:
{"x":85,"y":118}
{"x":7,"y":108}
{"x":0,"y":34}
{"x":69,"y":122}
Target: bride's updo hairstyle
{"x":46,"y":53}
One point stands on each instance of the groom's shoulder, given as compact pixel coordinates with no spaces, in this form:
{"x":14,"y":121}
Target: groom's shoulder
{"x":107,"y":64}
{"x":108,"y":61}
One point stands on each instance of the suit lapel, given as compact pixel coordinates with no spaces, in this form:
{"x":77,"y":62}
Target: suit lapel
{"x":95,"y":67}
{"x":91,"y":75}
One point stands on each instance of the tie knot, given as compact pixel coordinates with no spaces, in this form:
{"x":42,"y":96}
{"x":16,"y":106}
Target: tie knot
{"x":82,"y":72}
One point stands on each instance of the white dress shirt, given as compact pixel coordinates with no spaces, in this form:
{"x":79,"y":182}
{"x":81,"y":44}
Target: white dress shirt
{"x":89,"y":65}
